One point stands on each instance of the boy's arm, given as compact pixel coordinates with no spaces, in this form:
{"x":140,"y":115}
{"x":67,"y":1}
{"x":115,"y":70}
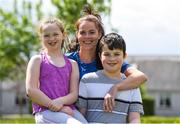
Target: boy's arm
{"x":134,"y":118}
{"x":136,"y":107}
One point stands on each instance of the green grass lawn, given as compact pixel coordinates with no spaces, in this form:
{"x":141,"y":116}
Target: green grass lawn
{"x":161,"y":120}
{"x":17,"y":119}
{"x":30,"y":119}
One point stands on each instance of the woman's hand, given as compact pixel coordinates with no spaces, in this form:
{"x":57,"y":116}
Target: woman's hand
{"x":109,"y":99}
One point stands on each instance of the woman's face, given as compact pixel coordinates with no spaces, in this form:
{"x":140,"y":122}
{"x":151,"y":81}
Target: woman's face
{"x":88,"y":35}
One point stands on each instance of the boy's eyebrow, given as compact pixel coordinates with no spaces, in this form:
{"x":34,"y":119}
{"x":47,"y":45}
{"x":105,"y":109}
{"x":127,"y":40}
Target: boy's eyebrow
{"x":92,"y":29}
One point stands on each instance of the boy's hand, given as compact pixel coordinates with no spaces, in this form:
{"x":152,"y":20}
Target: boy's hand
{"x":109,"y":99}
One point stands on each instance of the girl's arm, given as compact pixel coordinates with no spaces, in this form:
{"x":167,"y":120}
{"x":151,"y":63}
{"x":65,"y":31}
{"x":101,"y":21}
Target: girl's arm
{"x":32,"y":85}
{"x":74,"y":84}
{"x":134,"y":118}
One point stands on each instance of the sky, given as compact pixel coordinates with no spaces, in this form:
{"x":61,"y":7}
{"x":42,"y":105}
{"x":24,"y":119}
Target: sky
{"x":149,"y":27}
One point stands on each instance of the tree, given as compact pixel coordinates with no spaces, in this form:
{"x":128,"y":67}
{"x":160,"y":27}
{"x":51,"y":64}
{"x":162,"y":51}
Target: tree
{"x":70,"y":10}
{"x":18,"y":38}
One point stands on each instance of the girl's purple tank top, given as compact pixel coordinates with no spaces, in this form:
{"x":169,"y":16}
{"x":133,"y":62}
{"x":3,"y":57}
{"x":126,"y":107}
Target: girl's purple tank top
{"x":54,"y":81}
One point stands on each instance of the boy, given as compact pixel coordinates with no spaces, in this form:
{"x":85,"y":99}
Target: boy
{"x":94,"y":86}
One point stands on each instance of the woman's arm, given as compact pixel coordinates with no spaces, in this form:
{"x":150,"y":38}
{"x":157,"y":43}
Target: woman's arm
{"x":134,"y":79}
{"x":74,"y":84}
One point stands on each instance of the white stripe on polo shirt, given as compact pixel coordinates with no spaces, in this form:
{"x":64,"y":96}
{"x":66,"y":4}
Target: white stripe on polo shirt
{"x":99,"y":110}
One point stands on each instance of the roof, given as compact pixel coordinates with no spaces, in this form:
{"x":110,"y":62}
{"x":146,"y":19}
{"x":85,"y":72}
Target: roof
{"x":12,"y":86}
{"x":163,"y":73}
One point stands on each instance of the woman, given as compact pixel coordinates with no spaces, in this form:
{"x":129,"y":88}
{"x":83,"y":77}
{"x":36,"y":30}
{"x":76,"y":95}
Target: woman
{"x":89,"y":30}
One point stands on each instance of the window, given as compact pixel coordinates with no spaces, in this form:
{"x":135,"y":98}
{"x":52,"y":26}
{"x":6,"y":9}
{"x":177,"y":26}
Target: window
{"x":20,"y":100}
{"x":165,"y":101}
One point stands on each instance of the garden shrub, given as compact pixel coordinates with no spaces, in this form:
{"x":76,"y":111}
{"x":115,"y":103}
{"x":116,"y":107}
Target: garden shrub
{"x":148,"y":104}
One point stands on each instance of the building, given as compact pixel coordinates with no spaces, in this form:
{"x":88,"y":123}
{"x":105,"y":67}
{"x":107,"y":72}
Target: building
{"x":13,"y":98}
{"x":163,"y":83}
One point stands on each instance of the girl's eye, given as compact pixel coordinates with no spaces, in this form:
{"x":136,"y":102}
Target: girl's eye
{"x":56,"y":34}
{"x":92,"y":32}
{"x":82,"y":32}
{"x":46,"y":35}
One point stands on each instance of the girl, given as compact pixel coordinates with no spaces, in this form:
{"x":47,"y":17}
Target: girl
{"x":52,"y":79}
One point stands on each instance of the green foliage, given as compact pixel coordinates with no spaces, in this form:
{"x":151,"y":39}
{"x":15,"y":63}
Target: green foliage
{"x":17,"y":120}
{"x":143,"y":91}
{"x":18,"y":38}
{"x":30,"y":106}
{"x":156,"y":119}
{"x":148,"y":104}
{"x":70,"y":10}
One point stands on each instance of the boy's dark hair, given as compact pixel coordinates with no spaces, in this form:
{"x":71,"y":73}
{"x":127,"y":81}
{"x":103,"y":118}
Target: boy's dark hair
{"x":113,"y":41}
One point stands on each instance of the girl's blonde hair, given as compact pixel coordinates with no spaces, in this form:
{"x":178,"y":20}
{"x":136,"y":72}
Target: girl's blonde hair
{"x":51,"y":20}
{"x":60,"y":24}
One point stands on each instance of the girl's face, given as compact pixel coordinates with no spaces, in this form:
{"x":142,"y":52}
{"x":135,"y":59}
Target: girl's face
{"x":88,"y":35}
{"x":51,"y":36}
{"x":112,"y":60}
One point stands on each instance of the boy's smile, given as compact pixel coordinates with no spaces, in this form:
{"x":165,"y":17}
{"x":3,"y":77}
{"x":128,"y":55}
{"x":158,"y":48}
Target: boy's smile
{"x":112,"y":60}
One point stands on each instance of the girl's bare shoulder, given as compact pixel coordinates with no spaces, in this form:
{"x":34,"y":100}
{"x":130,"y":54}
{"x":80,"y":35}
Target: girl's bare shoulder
{"x":36,"y":59}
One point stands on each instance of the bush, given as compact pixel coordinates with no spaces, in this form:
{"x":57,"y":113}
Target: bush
{"x":30,"y":106}
{"x":148,"y":104}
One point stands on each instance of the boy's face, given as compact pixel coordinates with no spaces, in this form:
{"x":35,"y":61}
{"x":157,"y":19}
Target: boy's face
{"x":112,"y":60}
